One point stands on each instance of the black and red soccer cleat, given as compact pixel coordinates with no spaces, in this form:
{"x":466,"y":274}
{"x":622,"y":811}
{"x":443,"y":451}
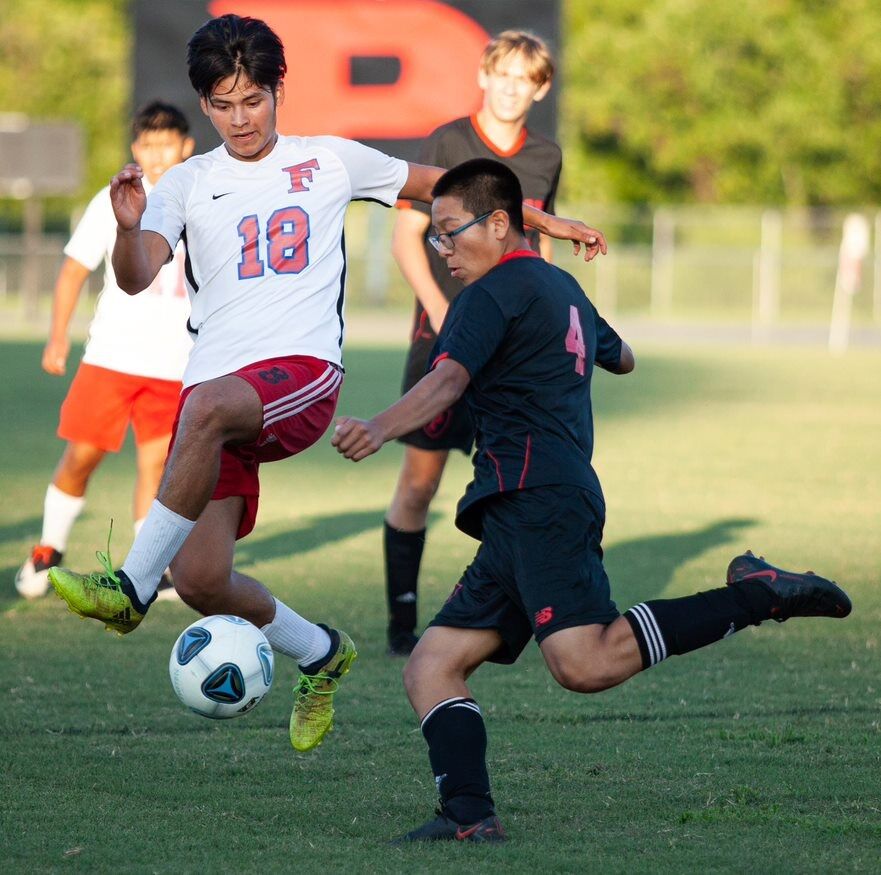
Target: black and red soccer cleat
{"x":32,"y":579}
{"x":793,"y":594}
{"x":442,"y":829}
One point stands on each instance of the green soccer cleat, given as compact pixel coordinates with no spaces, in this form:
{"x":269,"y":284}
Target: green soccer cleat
{"x":312,"y":717}
{"x":100,"y":595}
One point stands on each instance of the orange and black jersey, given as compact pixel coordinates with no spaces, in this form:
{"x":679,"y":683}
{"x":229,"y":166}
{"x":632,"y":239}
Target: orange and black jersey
{"x":534,"y":159}
{"x":528,"y":337}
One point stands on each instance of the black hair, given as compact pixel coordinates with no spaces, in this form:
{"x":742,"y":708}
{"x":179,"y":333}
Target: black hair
{"x":159,"y":116}
{"x":232,"y":45}
{"x":484,"y":185}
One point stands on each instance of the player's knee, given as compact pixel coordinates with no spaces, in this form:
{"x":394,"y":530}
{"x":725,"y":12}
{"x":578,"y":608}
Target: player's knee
{"x":418,"y":492}
{"x":78,"y":462}
{"x":204,"y":414}
{"x":201,"y":587}
{"x":413,"y":672}
{"x":421,"y":666}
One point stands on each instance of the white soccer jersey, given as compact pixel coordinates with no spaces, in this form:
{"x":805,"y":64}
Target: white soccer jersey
{"x":265,"y":253}
{"x":145,"y":335}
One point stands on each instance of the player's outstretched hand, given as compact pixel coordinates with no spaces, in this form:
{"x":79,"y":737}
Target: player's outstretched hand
{"x":357,"y":439}
{"x":128,"y":197}
{"x":580,"y":234}
{"x":55,"y":356}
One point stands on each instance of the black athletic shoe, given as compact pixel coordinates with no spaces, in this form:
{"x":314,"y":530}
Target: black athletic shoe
{"x":795,"y":595}
{"x":401,"y":643}
{"x":442,"y":829}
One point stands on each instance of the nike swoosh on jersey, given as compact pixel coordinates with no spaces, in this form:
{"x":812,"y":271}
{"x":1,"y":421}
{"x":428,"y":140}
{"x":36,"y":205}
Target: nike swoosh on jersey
{"x":214,"y":197}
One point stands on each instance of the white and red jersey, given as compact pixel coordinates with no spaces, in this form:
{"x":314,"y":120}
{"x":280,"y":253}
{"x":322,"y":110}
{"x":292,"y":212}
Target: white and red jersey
{"x":144,"y":335}
{"x":266,"y":260}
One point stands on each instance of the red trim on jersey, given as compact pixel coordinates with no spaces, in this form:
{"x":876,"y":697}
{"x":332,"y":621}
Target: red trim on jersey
{"x":518,"y":253}
{"x":420,"y":331}
{"x":526,"y":461}
{"x":438,"y":360}
{"x":498,"y":471}
{"x":502,"y":153}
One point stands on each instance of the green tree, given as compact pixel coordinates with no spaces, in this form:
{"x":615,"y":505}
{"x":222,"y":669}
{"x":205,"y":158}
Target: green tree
{"x":69,"y":60}
{"x":755,"y":101}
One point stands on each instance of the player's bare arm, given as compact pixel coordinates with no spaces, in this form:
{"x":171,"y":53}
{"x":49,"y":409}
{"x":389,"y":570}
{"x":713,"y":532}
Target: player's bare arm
{"x":436,"y":392}
{"x":138,"y":255}
{"x":68,"y":286}
{"x":409,"y":254}
{"x":421,"y":180}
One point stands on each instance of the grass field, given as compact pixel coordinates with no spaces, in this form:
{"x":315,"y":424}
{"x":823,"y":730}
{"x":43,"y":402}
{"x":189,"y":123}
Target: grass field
{"x":760,"y":754}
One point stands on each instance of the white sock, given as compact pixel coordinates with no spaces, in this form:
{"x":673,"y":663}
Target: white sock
{"x":138,"y":525}
{"x":158,"y":542}
{"x":291,"y":634}
{"x":60,"y":511}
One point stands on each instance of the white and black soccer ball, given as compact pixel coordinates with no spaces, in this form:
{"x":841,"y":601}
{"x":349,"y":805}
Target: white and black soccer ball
{"x":221,"y":666}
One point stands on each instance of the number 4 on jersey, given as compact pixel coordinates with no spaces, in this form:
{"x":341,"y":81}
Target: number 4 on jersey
{"x":575,"y":340}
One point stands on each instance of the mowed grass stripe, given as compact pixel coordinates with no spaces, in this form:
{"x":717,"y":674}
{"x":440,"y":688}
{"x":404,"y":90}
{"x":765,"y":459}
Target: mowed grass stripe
{"x":760,"y":752}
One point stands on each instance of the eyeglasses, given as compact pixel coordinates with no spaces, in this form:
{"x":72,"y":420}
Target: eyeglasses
{"x":446,"y":240}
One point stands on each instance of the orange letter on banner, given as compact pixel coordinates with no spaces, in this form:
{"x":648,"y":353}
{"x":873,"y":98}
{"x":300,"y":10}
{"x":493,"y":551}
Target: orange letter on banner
{"x":437,"y":46}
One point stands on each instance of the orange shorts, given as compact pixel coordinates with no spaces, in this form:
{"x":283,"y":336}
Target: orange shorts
{"x":299,"y":395}
{"x":101,"y":403}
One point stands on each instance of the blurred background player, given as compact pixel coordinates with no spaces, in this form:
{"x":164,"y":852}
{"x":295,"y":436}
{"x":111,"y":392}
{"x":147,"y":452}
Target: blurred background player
{"x":515,"y":72}
{"x":133,"y":362}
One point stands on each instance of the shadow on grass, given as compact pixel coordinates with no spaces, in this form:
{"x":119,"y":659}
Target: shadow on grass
{"x":310,"y":534}
{"x":29,"y":527}
{"x":643,"y":568}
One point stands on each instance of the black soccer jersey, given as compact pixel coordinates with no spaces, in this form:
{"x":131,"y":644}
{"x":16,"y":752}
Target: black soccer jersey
{"x":528,"y":337}
{"x":536,"y":161}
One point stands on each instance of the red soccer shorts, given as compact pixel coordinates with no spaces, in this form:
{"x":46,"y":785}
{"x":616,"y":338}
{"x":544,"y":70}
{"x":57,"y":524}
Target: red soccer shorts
{"x":101,"y":403}
{"x":299,"y":395}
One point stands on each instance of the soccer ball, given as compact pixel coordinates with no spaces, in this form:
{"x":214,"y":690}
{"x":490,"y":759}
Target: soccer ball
{"x":221,"y":666}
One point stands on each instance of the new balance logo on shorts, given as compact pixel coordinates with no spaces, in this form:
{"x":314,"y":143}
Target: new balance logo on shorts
{"x":276,"y":375}
{"x":544,"y":616}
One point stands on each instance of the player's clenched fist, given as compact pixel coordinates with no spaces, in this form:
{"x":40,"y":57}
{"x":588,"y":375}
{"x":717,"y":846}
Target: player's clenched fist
{"x":357,"y":439}
{"x":128,"y":197}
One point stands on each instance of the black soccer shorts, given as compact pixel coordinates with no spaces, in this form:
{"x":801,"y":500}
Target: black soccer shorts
{"x":539,"y":569}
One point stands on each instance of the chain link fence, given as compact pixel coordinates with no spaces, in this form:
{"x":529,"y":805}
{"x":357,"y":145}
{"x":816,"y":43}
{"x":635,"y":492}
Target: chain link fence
{"x":751,"y":266}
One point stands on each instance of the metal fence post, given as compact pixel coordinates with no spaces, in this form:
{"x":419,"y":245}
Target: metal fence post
{"x":607,"y":284}
{"x":663,"y":248}
{"x":33,"y":229}
{"x":876,"y":277}
{"x":767,"y":298}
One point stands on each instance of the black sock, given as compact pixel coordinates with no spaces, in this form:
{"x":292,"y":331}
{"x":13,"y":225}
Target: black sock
{"x":315,"y":667}
{"x":456,"y":740}
{"x":671,"y":627}
{"x":403,"y":555}
{"x":129,"y":589}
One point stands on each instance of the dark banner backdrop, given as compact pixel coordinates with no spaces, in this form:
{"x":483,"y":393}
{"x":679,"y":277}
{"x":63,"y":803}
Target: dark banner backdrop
{"x":386,"y":72}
